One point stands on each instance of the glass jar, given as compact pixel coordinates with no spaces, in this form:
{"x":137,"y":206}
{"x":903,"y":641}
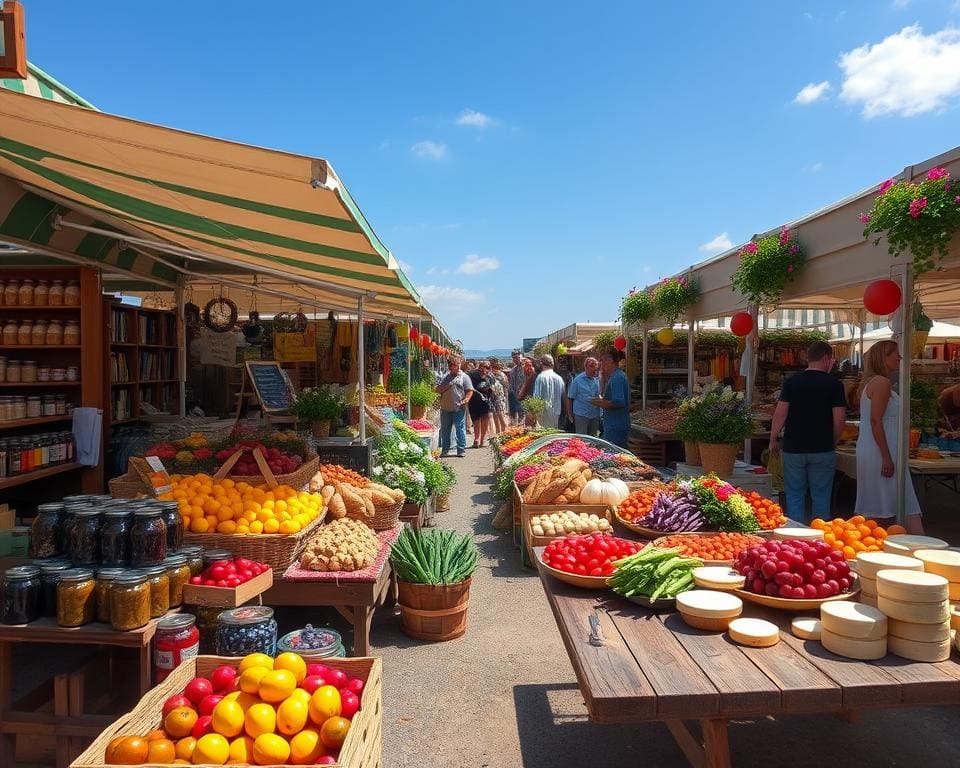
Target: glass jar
{"x":130,"y":601}
{"x":45,"y":531}
{"x":60,"y":406}
{"x":194,"y":557}
{"x":25,"y":332}
{"x":73,"y":373}
{"x":55,"y":332}
{"x":19,"y":407}
{"x":21,"y":595}
{"x":71,"y":294}
{"x":208,"y":621}
{"x":248,"y":629}
{"x":67,"y":517}
{"x":38,"y":336}
{"x":49,"y":580}
{"x":3,"y":361}
{"x":41,"y":293}
{"x":49,"y":405}
{"x":11,"y":293}
{"x":177,"y":640}
{"x":20,"y":541}
{"x":71,"y":332}
{"x":13,"y":371}
{"x":171,"y":516}
{"x":55,"y":294}
{"x":312,"y":643}
{"x":43,"y":373}
{"x":178,"y":572}
{"x":148,"y":537}
{"x":25,"y":293}
{"x":159,"y":590}
{"x":76,"y":598}
{"x":10,"y":332}
{"x":84,"y":537}
{"x":58,"y":374}
{"x":115,"y":537}
{"x":210,"y":556}
{"x":34,"y":408}
{"x":105,"y":580}
{"x":28,"y":371}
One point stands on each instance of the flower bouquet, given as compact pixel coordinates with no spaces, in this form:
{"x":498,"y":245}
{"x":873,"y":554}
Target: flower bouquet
{"x":718,"y":420}
{"x":722,"y":507}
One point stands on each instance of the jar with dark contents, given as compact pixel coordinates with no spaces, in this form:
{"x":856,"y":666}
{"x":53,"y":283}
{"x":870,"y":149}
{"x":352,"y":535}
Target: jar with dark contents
{"x":45,"y":531}
{"x":105,"y":579}
{"x":194,"y":557}
{"x":312,"y":643}
{"x":171,"y":516}
{"x":130,"y":598}
{"x":248,"y":629}
{"x":21,"y":595}
{"x":178,"y":572}
{"x":210,"y":556}
{"x":148,"y":537}
{"x":76,"y":598}
{"x":67,"y":518}
{"x":159,"y":590}
{"x":49,"y":579}
{"x":115,"y":537}
{"x":208,"y":622}
{"x":84,"y":537}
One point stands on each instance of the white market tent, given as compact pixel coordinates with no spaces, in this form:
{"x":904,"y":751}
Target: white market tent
{"x":939,"y":333}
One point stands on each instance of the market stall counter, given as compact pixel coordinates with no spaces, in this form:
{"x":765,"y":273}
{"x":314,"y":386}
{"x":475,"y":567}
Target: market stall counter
{"x":924,"y":471}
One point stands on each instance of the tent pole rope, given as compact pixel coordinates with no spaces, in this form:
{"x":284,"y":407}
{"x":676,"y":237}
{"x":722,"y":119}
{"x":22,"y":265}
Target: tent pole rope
{"x":361,"y":366}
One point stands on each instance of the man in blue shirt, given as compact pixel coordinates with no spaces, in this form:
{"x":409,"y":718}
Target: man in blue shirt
{"x":584,"y":388}
{"x":615,"y":401}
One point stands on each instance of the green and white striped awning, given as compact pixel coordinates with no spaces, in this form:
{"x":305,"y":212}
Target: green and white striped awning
{"x":39,"y":83}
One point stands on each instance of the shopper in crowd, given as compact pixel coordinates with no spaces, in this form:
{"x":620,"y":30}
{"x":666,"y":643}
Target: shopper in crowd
{"x":469,"y":366}
{"x":516,"y":378}
{"x":615,"y":402}
{"x":500,"y":403}
{"x":877,"y":446}
{"x":549,"y":387}
{"x":456,"y":391}
{"x":811,"y":413}
{"x":480,"y":406}
{"x":949,"y":402}
{"x":585,"y":387}
{"x":529,"y":379}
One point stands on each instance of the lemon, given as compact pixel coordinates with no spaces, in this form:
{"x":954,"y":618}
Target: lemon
{"x":294,"y":663}
{"x":241,"y":750}
{"x":270,"y":749}
{"x":255,"y":660}
{"x":260,"y":719}
{"x":277,"y":685}
{"x":228,"y":718}
{"x":250,"y":679}
{"x":292,"y":715}
{"x":211,"y":748}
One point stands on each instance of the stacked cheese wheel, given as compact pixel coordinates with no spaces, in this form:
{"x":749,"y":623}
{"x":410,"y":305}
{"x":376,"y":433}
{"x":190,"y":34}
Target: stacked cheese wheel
{"x":853,"y":630}
{"x":712,"y":611}
{"x":905,"y":544}
{"x":870,"y":563}
{"x":918,"y":607}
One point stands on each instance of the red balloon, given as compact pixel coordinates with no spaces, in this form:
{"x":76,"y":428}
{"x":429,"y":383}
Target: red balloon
{"x":882,"y":297}
{"x":620,"y":343}
{"x":425,"y":341}
{"x":741,"y":323}
{"x":414,"y":334}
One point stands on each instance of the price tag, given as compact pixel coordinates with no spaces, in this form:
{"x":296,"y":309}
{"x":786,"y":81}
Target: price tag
{"x":159,"y":478}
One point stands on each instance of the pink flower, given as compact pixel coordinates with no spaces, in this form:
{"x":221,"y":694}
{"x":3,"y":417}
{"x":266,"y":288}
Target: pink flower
{"x":790,"y":268}
{"x":722,"y":493}
{"x":957,"y":199}
{"x":937,"y":173}
{"x":794,"y":249}
{"x":784,"y":236}
{"x":885,"y":186}
{"x":917,"y":206}
{"x":750,"y":248}
{"x":864,"y":218}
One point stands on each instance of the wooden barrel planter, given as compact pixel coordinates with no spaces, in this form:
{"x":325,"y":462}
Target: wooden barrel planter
{"x":443,"y":502}
{"x":434,"y":612}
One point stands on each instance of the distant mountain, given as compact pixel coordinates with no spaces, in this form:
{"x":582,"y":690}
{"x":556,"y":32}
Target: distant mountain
{"x":470,"y":353}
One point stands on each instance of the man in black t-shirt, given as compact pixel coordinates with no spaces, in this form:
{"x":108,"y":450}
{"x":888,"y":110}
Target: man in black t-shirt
{"x":811,"y":411}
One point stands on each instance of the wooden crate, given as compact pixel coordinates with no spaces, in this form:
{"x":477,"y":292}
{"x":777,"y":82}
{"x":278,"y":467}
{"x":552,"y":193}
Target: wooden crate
{"x":362,"y":749}
{"x":530,"y":541}
{"x":228,"y":597}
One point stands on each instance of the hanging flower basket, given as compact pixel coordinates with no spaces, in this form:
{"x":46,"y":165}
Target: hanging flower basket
{"x":766,"y":267}
{"x":636,"y":308}
{"x":673,"y":296}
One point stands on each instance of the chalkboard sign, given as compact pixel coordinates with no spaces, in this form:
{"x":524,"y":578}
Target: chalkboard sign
{"x":355,"y":457}
{"x":272,"y":385}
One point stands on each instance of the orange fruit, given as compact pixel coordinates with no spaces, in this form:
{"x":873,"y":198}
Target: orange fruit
{"x":161,"y":751}
{"x":292,"y":715}
{"x":181,"y":761}
{"x":292,"y":662}
{"x":250,"y":679}
{"x":896,"y":530}
{"x":228,"y":718}
{"x":108,"y":752}
{"x":130,"y":750}
{"x":277,"y":685}
{"x":270,"y":749}
{"x":334,"y":731}
{"x":157,"y":734}
{"x":241,"y":750}
{"x":211,"y":748}
{"x":185,"y":747}
{"x":306,"y":747}
{"x":818,"y":523}
{"x":260,"y":718}
{"x":180,"y":721}
{"x":849,"y":552}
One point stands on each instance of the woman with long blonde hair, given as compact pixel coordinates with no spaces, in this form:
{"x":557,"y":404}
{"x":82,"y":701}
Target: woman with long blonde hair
{"x":878,"y":440}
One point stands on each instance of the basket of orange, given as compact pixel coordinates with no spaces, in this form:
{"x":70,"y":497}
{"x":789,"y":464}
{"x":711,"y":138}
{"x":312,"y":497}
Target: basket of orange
{"x":855,"y":535}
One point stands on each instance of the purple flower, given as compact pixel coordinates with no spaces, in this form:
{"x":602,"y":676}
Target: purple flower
{"x":885,"y":186}
{"x":794,"y":248}
{"x":917,"y":206}
{"x":937,"y":173}
{"x":790,"y":268}
{"x":864,"y":218}
{"x":957,"y":199}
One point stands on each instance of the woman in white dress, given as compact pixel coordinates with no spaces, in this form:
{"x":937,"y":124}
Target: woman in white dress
{"x":879,"y":436}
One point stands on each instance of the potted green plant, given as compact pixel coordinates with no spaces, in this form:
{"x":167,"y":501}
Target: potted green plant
{"x":719,"y":420}
{"x":320,"y":406}
{"x":921,"y":326}
{"x":766,"y":266}
{"x":636,"y":308}
{"x":434,"y":570}
{"x":420,"y":396}
{"x":533,"y":408}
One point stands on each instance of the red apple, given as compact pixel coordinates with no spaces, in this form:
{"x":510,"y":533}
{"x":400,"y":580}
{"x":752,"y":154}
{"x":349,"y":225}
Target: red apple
{"x":209,"y":702}
{"x":224,"y":679}
{"x":176,"y":701}
{"x":349,"y":703}
{"x":312,"y":682}
{"x":317,"y":669}
{"x":355,"y":684}
{"x":203,"y":726}
{"x":198,"y":689}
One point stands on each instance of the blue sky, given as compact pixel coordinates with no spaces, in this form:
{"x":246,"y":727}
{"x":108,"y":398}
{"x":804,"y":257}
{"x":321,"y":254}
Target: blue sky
{"x":532,"y":161}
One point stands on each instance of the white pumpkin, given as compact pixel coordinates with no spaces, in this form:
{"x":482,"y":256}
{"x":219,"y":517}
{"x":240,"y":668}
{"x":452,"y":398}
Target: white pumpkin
{"x":605,"y":492}
{"x":622,"y":486}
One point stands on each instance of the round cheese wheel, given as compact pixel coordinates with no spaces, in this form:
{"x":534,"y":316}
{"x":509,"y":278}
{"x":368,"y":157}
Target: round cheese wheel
{"x":756,"y":633}
{"x":911,"y":649}
{"x":864,"y":650}
{"x":854,"y":620}
{"x":921,"y":633}
{"x":912,"y":586}
{"x":809,"y":534}
{"x":709,"y":605}
{"x":868,"y":563}
{"x":905,"y":544}
{"x":717,"y":577}
{"x":943,"y":562}
{"x":806,"y":628}
{"x":870,"y":600}
{"x":915,"y":613}
{"x":868,"y":586}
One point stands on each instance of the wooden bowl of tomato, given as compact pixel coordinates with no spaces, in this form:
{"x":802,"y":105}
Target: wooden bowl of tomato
{"x":584,"y":561}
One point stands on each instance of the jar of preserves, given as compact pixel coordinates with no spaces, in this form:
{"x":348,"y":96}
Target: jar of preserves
{"x":41,"y":293}
{"x":55,"y":294}
{"x":20,"y":408}
{"x":194,"y":557}
{"x":148,"y":537}
{"x":115,"y":537}
{"x":76,"y":598}
{"x":34,"y":408}
{"x":71,"y":332}
{"x":13,"y":371}
{"x":28,"y":371}
{"x":49,"y":579}
{"x":55,"y":332}
{"x":38,"y":336}
{"x":178,"y":572}
{"x":45,"y":531}
{"x":71,"y":294}
{"x":159,"y":590}
{"x":171,"y":516}
{"x":67,"y":518}
{"x":21,"y":595}
{"x":210,"y":556}
{"x":11,"y":293}
{"x":43,"y":373}
{"x":25,"y":332}
{"x":58,"y":374}
{"x":3,"y":360}
{"x":130,"y":601}
{"x":105,"y":580}
{"x":10,"y":332}
{"x":208,"y":621}
{"x":73,"y":373}
{"x":312,"y":643}
{"x":25,"y":293}
{"x":248,"y":629}
{"x":60,"y":408}
{"x":177,"y":640}
{"x":84,"y":548}
{"x":49,"y":405}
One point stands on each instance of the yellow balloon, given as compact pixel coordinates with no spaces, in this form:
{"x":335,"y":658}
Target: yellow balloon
{"x":665,"y":336}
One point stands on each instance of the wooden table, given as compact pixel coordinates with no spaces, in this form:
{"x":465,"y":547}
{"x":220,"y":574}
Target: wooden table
{"x":356,"y":601}
{"x":69,"y":724}
{"x":923,"y":471}
{"x":653,"y":667}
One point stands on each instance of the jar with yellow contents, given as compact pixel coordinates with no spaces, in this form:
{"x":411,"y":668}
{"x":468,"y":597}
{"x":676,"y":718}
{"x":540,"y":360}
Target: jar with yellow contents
{"x":76,"y":598}
{"x":130,"y":601}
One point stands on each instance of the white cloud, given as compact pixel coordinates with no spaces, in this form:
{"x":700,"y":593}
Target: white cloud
{"x":905,"y":74}
{"x":430,"y":150}
{"x":812,"y":92}
{"x":474,"y":264}
{"x":808,"y":16}
{"x":901,"y":3}
{"x":719,"y":244}
{"x":405,"y":266}
{"x":815,"y":167}
{"x":474,"y":119}
{"x":448,"y":297}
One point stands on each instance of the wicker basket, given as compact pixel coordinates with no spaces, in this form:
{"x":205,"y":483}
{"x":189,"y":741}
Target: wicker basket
{"x":443,"y":502}
{"x":128,"y":486}
{"x":434,"y":612}
{"x":383,"y":517}
{"x":299,"y":479}
{"x":275,"y":549}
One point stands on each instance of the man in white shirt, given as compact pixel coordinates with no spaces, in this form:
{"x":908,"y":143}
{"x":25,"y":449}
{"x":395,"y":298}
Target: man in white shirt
{"x":549,"y":387}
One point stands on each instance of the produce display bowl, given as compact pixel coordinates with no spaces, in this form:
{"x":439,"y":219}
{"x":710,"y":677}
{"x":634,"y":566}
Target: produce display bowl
{"x":659,"y":542}
{"x":660,"y":604}
{"x":797,"y":604}
{"x":648,"y":533}
{"x":574,"y":579}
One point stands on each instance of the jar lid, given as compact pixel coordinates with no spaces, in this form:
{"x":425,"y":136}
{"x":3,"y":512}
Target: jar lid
{"x":155,"y":570}
{"x":88,"y":512}
{"x":190,"y":550}
{"x":175,"y":560}
{"x":21,"y":572}
{"x":57,"y":568}
{"x":50,"y":506}
{"x":79,"y":497}
{"x":42,"y":562}
{"x":109,"y":574}
{"x":146,"y":512}
{"x":170,"y":505}
{"x":311,"y":640}
{"x":130,"y":578}
{"x":123,"y":513}
{"x":76,"y":574}
{"x":176,"y":622}
{"x":248,"y":614}
{"x":211,"y":555}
